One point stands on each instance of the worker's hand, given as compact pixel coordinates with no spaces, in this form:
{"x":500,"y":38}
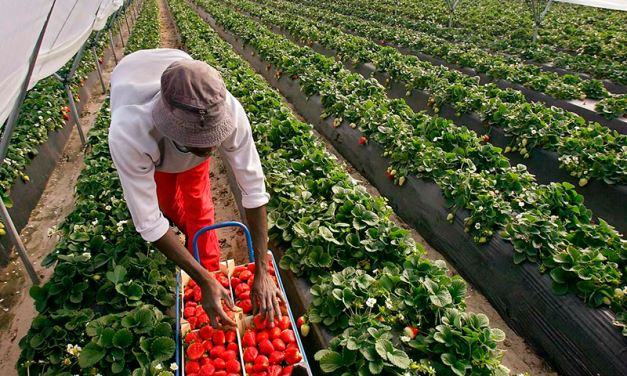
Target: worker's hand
{"x":268,"y":294}
{"x":212,"y":292}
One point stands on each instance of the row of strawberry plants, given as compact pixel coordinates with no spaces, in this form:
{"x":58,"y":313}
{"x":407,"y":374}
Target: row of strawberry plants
{"x":493,"y":65}
{"x":324,"y":219}
{"x":586,"y":151}
{"x":44,"y":110}
{"x":587,"y":60}
{"x":547,"y":224}
{"x":102,"y":312}
{"x":146,"y":32}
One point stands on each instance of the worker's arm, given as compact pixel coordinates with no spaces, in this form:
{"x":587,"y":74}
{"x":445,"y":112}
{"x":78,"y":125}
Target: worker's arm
{"x":212,"y":291}
{"x":263,"y":287}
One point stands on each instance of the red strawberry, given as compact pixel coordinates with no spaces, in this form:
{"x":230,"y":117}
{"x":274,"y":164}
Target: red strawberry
{"x":220,"y":373}
{"x":288,"y":336}
{"x":276,"y":357}
{"x":275,"y":370}
{"x":241,"y":288}
{"x":265,"y":347}
{"x":216,"y":351}
{"x":260,"y":323}
{"x":300,"y":321}
{"x":192,"y":367}
{"x":208,"y":345}
{"x":250,"y":267}
{"x":293,"y":345}
{"x":245,"y":295}
{"x":261,"y":363}
{"x":275,"y":333}
{"x":188,"y":312}
{"x":363,"y":140}
{"x":202,"y":320}
{"x":295,"y":77}
{"x":245,"y":275}
{"x":219,"y":363}
{"x":204,"y":361}
{"x":279,"y":345}
{"x":235,"y":282}
{"x":250,"y":354}
{"x":206,"y":332}
{"x":285,"y":323}
{"x":287,"y":371}
{"x":218,"y":337}
{"x":207,"y":370}
{"x":224,"y":282}
{"x":191,"y":283}
{"x":230,"y":336}
{"x":188,"y":295}
{"x":191,"y":304}
{"x":249,"y":369}
{"x":195,"y":351}
{"x":100,"y":60}
{"x":192,"y":337}
{"x":66,"y":117}
{"x":233,"y":366}
{"x":246,"y":305}
{"x":192,"y":322}
{"x":228,"y":355}
{"x":197,"y":293}
{"x":293,"y":356}
{"x":261,"y":336}
{"x":233,"y":347}
{"x":249,"y":339}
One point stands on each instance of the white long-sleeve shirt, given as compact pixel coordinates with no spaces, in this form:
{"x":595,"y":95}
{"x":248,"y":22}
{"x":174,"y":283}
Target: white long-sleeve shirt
{"x":138,"y":149}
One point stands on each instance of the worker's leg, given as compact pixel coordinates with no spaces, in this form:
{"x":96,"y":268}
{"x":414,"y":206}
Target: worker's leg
{"x":195,"y":187}
{"x":171,"y":199}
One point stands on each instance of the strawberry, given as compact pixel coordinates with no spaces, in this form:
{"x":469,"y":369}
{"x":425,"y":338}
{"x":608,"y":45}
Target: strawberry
{"x":295,"y":77}
{"x":485,"y":138}
{"x":192,"y":367}
{"x":287,"y":371}
{"x":249,"y":339}
{"x":275,"y":370}
{"x":233,"y":347}
{"x":206,"y":370}
{"x":205,"y":360}
{"x":265,"y":347}
{"x":276,"y":357}
{"x":216,"y":351}
{"x":192,"y":337}
{"x":202,"y":320}
{"x":288,"y":336}
{"x":251,"y":354}
{"x":249,"y":369}
{"x":410,"y":332}
{"x":279,"y":345}
{"x":285,"y":323}
{"x":66,"y":117}
{"x":100,"y":60}
{"x":220,"y":373}
{"x":261,"y":336}
{"x":245,"y":275}
{"x":219,"y":363}
{"x":206,"y":332}
{"x":195,"y":351}
{"x":259,"y":323}
{"x":389,"y":175}
{"x":224,"y":282}
{"x":230,"y":336}
{"x":235,"y":282}
{"x":191,"y":283}
{"x":251,"y":267}
{"x":228,"y":355}
{"x":192,"y":322}
{"x":261,"y":364}
{"x":363,"y":140}
{"x":245,"y":295}
{"x":293,"y":356}
{"x":218,"y":337}
{"x":208,"y":345}
{"x":246,"y":305}
{"x":188,"y":295}
{"x":191,"y":304}
{"x":237,"y":270}
{"x":241,"y":288}
{"x":275,"y":333}
{"x":300,"y":321}
{"x":304,"y":330}
{"x":188,"y":312}
{"x":197,"y":293}
{"x":233,"y":366}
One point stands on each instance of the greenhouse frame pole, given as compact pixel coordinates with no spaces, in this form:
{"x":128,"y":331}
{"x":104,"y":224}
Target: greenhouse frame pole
{"x":539,"y":18}
{"x":128,"y":27}
{"x":451,"y":9}
{"x":119,"y":27}
{"x":4,"y":146}
{"x":115,"y":56}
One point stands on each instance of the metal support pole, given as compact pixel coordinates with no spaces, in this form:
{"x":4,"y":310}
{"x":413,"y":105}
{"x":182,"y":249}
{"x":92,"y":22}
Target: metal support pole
{"x":14,"y":235}
{"x":539,"y":18}
{"x":98,"y":69}
{"x":128,"y":27}
{"x":451,"y":10}
{"x":120,"y":29}
{"x":115,"y":57}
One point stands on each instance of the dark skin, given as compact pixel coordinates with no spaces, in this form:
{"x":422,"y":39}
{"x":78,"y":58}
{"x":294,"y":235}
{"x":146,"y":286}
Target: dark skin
{"x":263,"y":290}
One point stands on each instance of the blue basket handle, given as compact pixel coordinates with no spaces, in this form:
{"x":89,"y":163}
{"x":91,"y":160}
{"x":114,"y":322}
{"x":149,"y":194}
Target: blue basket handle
{"x":249,"y":240}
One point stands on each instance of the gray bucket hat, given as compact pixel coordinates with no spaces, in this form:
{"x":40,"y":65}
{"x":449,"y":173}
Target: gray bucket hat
{"x":192,"y":110}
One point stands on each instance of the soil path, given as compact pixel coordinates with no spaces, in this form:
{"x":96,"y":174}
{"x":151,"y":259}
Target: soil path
{"x":232,"y":240}
{"x":17,"y":308}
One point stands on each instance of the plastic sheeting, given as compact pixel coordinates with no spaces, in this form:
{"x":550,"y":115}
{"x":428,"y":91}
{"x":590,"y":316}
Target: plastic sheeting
{"x":606,"y":4}
{"x":71,"y":23}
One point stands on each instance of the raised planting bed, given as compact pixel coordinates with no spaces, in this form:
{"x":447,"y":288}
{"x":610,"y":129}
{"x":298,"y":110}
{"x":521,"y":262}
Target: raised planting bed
{"x":577,"y":339}
{"x":601,"y":198}
{"x":26,"y":195}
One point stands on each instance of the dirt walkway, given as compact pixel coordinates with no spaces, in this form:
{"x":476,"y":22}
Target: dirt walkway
{"x":17,"y":307}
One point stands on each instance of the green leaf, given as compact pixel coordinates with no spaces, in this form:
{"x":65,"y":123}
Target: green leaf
{"x":37,"y":293}
{"x":91,"y":355}
{"x":162,"y":330}
{"x":162,"y":348}
{"x":559,"y":288}
{"x":399,"y":358}
{"x":123,"y":338}
{"x":331,"y":361}
{"x":375,"y":367}
{"x":107,"y":337}
{"x":117,"y":275}
{"x":327,"y":235}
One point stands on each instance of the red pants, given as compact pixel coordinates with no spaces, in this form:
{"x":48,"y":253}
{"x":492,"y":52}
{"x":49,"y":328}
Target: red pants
{"x":185,"y":199}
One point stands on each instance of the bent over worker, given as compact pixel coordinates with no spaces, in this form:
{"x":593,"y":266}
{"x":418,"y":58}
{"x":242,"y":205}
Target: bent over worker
{"x":169,"y":114}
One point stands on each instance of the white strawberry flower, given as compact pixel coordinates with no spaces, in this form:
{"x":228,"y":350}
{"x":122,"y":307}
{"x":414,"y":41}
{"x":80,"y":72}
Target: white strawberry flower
{"x":174,"y":367}
{"x":371,"y":302}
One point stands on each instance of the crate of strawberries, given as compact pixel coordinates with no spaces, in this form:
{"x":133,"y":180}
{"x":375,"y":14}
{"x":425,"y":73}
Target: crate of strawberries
{"x":254,"y":348}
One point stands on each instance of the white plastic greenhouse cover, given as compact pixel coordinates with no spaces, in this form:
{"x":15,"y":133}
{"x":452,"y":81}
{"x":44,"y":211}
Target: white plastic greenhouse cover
{"x":607,"y":4}
{"x":71,"y":23}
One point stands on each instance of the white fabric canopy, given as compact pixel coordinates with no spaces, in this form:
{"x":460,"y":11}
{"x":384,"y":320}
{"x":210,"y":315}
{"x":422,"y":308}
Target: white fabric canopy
{"x":71,"y":23}
{"x":607,"y":4}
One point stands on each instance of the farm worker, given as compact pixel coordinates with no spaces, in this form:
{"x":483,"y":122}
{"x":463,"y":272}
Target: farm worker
{"x":169,"y":113}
